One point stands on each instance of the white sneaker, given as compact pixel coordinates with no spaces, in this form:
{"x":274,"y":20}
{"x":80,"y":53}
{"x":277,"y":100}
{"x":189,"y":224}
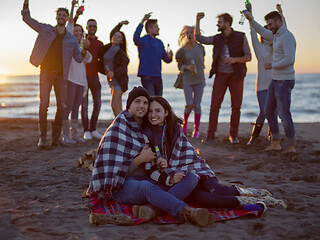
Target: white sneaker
{"x":96,"y":135}
{"x":87,"y":135}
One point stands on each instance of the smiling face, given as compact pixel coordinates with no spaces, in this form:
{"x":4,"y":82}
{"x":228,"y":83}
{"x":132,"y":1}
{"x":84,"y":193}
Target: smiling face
{"x":156,"y":113}
{"x":221,"y":24}
{"x":92,"y":28}
{"x":62,"y":18}
{"x":77,"y":32}
{"x":273,"y":25}
{"x":139,"y":108}
{"x":117,"y":38}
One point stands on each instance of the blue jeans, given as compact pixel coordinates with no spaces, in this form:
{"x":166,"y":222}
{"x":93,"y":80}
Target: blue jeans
{"x":182,"y":189}
{"x":262,"y":99}
{"x":279,"y":100}
{"x":211,"y":194}
{"x":47,"y":80}
{"x":139,"y":190}
{"x":74,"y":99}
{"x":193,"y":95}
{"x":152,"y":84}
{"x":95,"y":87}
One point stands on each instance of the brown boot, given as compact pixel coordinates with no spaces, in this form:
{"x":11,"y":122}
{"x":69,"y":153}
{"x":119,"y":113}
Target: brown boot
{"x":146,"y":212}
{"x":198,"y":216}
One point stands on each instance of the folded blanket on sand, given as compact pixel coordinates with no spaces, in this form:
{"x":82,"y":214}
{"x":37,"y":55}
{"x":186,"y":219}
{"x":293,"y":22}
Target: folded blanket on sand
{"x":121,"y":214}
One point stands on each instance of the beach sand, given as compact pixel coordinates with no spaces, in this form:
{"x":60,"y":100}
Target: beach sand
{"x":40,"y":189}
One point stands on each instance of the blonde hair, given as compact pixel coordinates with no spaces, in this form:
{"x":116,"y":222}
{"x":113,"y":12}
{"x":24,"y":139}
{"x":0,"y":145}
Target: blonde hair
{"x":182,"y":40}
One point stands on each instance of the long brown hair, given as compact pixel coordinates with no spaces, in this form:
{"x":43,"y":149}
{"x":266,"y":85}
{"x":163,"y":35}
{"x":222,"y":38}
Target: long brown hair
{"x":171,"y":119}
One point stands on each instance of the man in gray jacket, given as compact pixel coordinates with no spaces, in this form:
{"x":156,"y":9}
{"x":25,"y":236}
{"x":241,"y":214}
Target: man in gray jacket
{"x":53,"y":51}
{"x":283,"y":78}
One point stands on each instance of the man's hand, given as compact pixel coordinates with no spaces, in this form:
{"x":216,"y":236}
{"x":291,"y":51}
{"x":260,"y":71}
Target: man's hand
{"x":146,"y":154}
{"x":177,"y":177}
{"x":162,"y":162}
{"x":200,"y":15}
{"x":248,"y":15}
{"x":229,"y":60}
{"x":86,"y":44}
{"x":170,"y":54}
{"x":146,"y":17}
{"x":125,"y":22}
{"x":267,"y":66}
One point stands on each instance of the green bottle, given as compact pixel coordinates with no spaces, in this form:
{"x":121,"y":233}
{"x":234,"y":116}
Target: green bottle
{"x":248,"y":5}
{"x":158,"y":156}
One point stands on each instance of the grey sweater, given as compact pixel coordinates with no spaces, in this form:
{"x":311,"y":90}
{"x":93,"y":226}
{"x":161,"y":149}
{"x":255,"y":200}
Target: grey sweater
{"x":284,"y":49}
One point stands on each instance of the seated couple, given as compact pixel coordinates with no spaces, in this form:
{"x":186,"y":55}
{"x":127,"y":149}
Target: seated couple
{"x":126,"y":166}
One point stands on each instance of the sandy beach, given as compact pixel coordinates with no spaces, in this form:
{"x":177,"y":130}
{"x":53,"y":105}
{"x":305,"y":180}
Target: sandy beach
{"x":40,"y":189}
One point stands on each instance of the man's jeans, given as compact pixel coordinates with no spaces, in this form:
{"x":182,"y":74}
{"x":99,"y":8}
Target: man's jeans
{"x":182,"y":189}
{"x":221,"y":82}
{"x":47,"y":80}
{"x":193,"y":95}
{"x":279,"y":101}
{"x":139,"y":190}
{"x":152,"y":84}
{"x":95,"y":87}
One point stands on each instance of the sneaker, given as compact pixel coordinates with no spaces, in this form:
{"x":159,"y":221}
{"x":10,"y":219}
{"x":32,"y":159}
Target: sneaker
{"x":264,"y":208}
{"x":87,"y":135}
{"x":96,"y":135}
{"x":233,"y":140}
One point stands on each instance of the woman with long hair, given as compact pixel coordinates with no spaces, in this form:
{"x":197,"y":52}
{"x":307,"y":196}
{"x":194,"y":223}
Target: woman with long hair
{"x":113,"y":62}
{"x":190,"y":58}
{"x":77,"y":83}
{"x":164,"y":131}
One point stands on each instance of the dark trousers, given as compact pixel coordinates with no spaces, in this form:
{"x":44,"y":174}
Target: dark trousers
{"x":49,"y":79}
{"x":95,"y":87}
{"x":223,"y":81}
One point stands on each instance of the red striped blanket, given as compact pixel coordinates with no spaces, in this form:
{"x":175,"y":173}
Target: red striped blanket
{"x":111,"y":207}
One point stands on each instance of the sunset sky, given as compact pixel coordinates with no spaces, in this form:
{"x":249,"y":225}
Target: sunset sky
{"x":18,"y":39}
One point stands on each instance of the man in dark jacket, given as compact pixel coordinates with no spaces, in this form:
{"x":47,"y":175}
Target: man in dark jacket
{"x":230,"y":54}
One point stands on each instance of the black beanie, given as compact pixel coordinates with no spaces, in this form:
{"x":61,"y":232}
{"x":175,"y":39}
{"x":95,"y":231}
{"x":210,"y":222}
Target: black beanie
{"x":137,"y":92}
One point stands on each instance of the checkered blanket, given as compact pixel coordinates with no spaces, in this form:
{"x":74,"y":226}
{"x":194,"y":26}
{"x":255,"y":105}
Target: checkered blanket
{"x":111,"y":207}
{"x":184,"y":158}
{"x":122,"y":141}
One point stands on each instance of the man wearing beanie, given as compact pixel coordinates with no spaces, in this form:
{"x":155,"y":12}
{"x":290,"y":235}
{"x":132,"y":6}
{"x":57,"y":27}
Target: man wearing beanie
{"x":117,"y":169}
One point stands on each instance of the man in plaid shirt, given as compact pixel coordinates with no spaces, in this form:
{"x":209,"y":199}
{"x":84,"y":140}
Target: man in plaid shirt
{"x":122,"y":149}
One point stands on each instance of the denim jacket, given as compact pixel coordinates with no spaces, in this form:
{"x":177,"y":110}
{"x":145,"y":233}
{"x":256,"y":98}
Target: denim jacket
{"x":46,"y":34}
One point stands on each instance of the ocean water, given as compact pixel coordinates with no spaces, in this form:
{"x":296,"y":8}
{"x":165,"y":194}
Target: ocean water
{"x":19,"y":98}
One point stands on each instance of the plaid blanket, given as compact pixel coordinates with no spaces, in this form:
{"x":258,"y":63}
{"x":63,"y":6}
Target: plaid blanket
{"x":184,"y":158}
{"x":111,"y":207}
{"x":122,"y":141}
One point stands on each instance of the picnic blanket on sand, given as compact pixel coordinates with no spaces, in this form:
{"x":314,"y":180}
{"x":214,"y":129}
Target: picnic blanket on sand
{"x":111,"y":207}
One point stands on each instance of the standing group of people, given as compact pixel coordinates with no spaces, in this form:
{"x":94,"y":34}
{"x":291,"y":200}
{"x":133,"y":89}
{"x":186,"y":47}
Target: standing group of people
{"x":144,"y":157}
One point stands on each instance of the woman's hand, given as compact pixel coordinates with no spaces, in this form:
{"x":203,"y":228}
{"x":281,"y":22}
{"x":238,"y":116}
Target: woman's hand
{"x":162,"y":162}
{"x":177,"y":177}
{"x":191,"y":68}
{"x":110,"y":74}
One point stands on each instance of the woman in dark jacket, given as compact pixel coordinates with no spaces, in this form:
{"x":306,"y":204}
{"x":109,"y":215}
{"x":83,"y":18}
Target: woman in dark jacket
{"x":113,"y":62}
